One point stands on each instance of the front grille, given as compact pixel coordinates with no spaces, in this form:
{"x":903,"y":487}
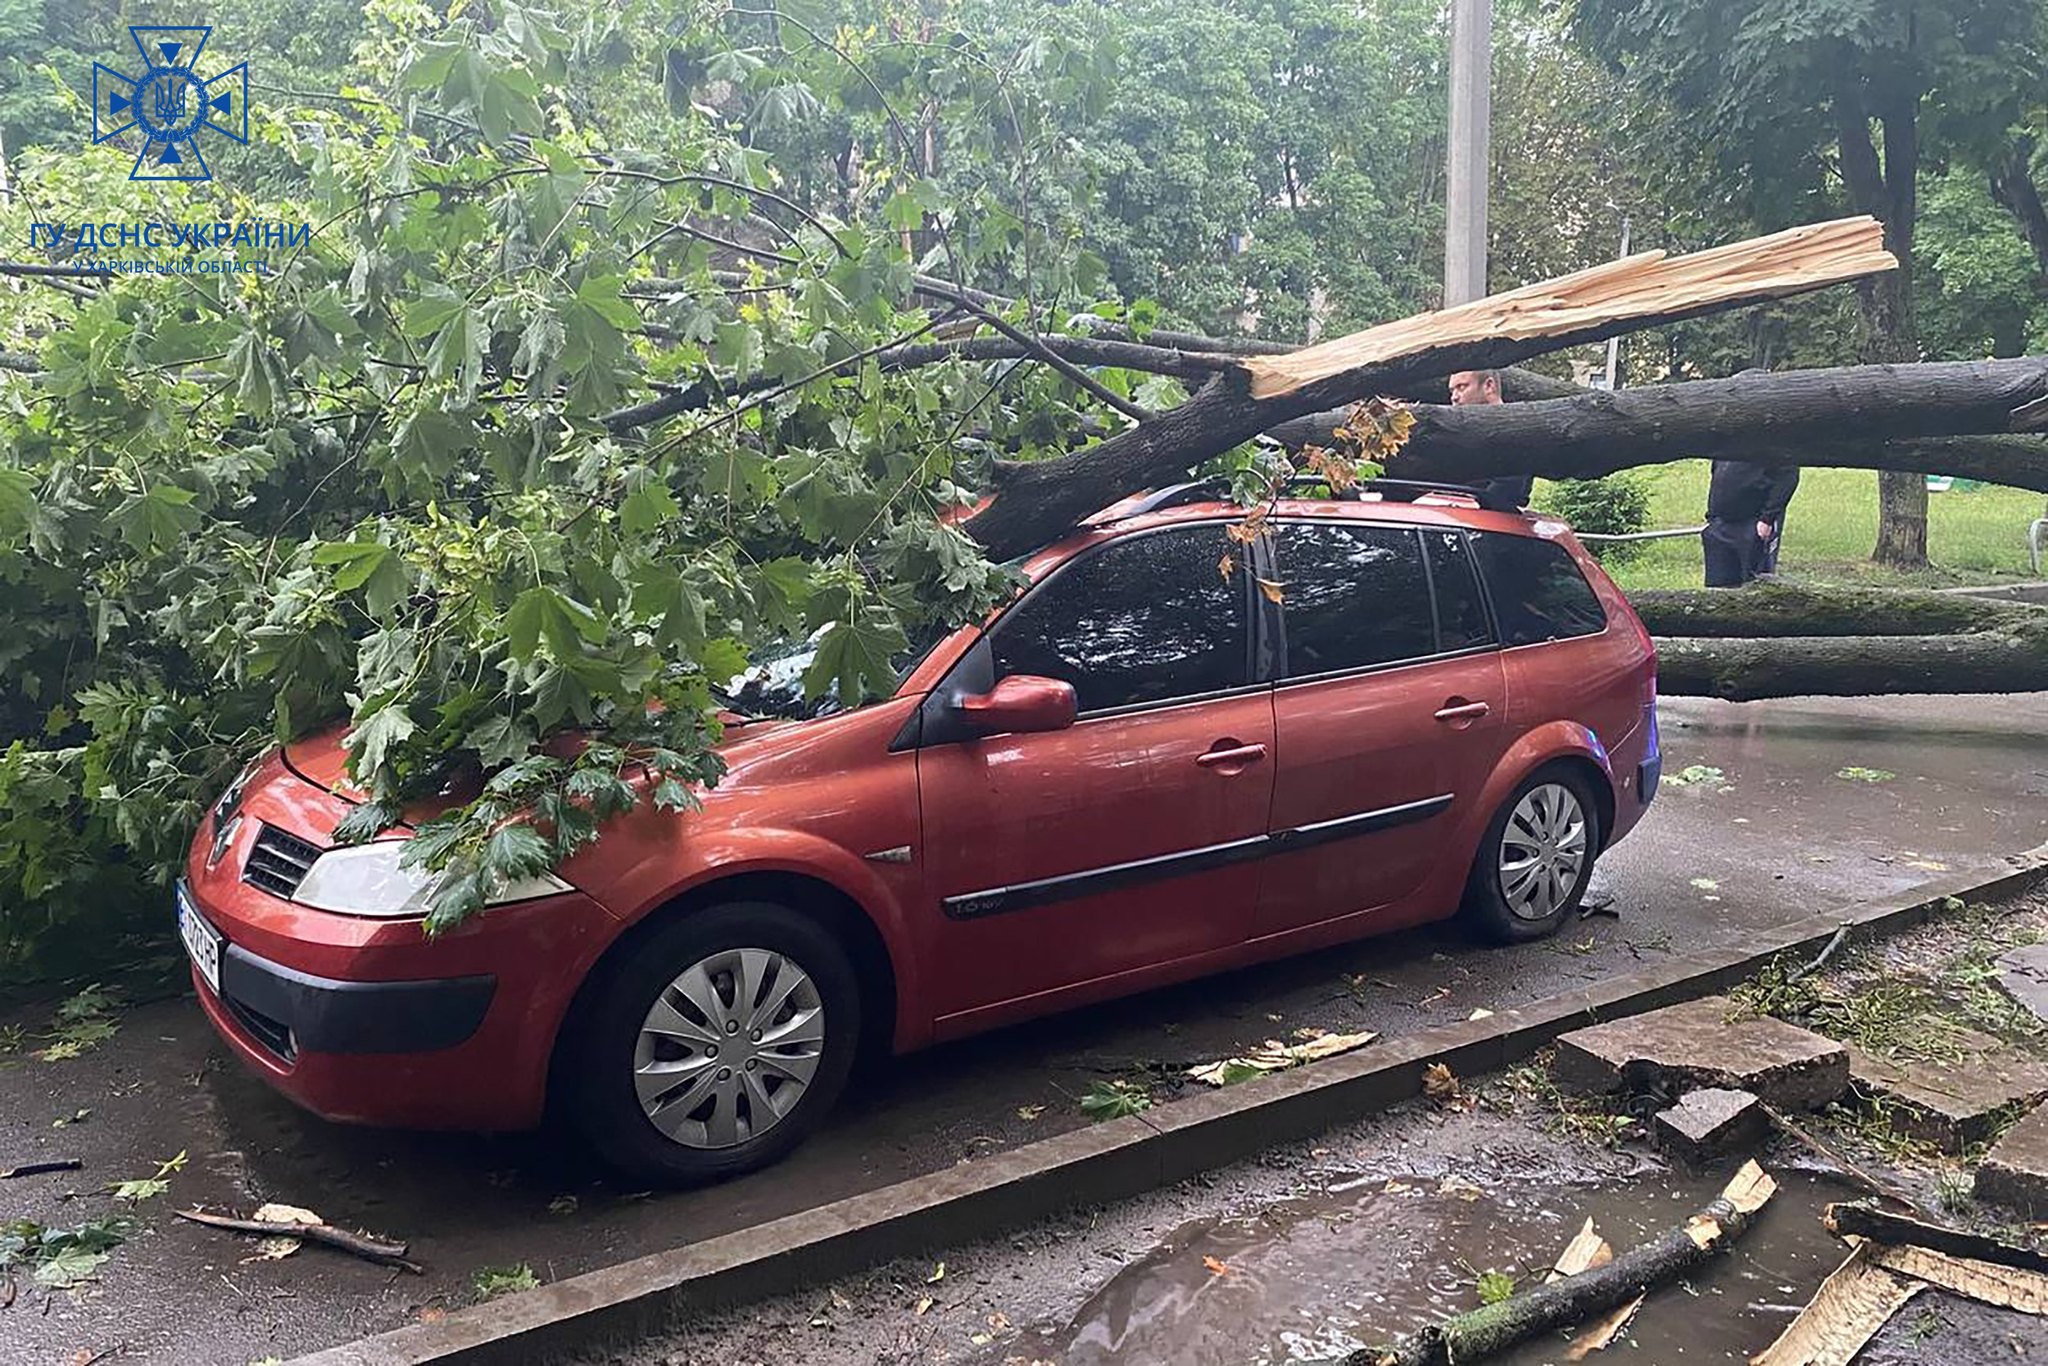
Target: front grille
{"x":278,"y":862}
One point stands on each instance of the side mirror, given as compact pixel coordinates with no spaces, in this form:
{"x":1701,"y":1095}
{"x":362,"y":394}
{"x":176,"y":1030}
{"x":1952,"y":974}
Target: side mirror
{"x":1018,"y":704}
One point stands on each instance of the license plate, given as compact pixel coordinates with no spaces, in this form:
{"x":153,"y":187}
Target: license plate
{"x":202,"y":941}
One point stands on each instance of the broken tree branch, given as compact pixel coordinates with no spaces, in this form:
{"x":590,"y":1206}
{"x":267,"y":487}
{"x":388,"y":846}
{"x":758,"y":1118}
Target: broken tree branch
{"x":1861,"y":1221}
{"x":62,"y":1164}
{"x":1036,"y":502}
{"x":1814,"y":1143}
{"x":1482,"y":1332}
{"x":360,"y":1244}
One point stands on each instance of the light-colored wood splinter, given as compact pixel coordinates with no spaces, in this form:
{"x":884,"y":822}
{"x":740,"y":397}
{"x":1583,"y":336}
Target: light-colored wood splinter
{"x":1853,"y":1303}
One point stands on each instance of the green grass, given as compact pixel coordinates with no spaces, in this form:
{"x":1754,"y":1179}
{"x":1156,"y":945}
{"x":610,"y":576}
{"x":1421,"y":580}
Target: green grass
{"x":1973,"y":536}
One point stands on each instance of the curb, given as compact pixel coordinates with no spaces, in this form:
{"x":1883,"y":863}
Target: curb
{"x":1104,"y":1162}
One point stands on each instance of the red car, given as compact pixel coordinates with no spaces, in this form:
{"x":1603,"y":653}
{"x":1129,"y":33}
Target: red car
{"x":1140,"y":771}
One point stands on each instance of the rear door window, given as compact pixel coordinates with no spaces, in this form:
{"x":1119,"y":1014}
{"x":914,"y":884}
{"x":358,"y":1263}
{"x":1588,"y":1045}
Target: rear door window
{"x":1148,"y":619}
{"x":1461,"y":620}
{"x":1538,"y":592}
{"x":1353,"y":596}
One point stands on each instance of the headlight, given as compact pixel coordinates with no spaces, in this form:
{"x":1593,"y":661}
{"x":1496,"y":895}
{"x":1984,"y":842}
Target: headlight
{"x":366,"y":879}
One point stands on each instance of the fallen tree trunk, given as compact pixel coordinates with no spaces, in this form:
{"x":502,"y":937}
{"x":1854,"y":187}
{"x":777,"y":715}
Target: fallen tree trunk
{"x":1778,"y":608}
{"x":1036,"y":502}
{"x":1951,"y":417}
{"x":1558,"y":1304}
{"x":1853,"y":666}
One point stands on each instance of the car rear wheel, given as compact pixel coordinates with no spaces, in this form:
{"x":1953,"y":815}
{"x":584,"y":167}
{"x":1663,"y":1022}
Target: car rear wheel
{"x":1535,"y":859}
{"x":717,"y":1044}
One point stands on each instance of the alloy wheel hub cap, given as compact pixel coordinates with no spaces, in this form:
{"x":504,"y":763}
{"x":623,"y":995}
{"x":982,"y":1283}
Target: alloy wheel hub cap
{"x":728,"y":1049}
{"x":1542,"y":851}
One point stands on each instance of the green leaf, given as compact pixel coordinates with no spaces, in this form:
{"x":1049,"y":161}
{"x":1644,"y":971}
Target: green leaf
{"x":17,"y":501}
{"x":648,"y":508}
{"x":373,"y":739}
{"x":157,"y":519}
{"x":68,"y":1268}
{"x":541,"y":613}
{"x":500,"y":740}
{"x":853,"y":658}
{"x":358,"y":560}
{"x":604,"y":295}
{"x":367,"y":821}
{"x":516,"y":852}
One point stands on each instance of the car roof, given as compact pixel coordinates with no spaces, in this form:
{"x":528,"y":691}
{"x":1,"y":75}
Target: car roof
{"x":1451,"y":507}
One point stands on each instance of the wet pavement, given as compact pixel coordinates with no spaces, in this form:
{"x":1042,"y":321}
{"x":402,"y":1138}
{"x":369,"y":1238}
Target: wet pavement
{"x":1314,"y":1250}
{"x":1777,"y":836}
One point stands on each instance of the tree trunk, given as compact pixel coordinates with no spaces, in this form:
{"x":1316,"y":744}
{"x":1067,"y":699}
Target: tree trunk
{"x":1853,"y":666}
{"x":1037,"y":502}
{"x":2012,"y":185}
{"x":1775,"y":608}
{"x":1860,"y":416}
{"x":1891,"y":193}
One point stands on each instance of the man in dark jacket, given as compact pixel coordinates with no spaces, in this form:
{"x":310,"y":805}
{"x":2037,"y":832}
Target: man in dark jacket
{"x":1483,"y":386}
{"x":1745,"y":520}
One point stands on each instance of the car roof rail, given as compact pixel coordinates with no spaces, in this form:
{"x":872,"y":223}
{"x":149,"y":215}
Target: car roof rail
{"x":1388,"y":490}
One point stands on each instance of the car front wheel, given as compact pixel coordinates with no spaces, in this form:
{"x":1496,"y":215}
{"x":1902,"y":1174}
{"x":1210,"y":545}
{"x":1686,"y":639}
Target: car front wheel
{"x":717,"y":1044}
{"x":1535,"y":859}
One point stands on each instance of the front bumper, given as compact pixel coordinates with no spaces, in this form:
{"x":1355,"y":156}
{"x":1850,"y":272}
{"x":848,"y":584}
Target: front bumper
{"x":366,"y":1021}
{"x":291,"y":1011}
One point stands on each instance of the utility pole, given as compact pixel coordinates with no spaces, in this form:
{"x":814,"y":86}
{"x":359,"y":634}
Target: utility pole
{"x":1466,"y":165}
{"x":1614,"y":343}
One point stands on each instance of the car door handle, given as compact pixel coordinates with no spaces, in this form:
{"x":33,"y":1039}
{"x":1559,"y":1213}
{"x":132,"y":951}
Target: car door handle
{"x":1455,"y":710}
{"x":1238,"y":754}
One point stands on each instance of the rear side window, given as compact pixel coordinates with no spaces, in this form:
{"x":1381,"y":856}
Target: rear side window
{"x":1460,"y":607}
{"x":1538,"y":592}
{"x":1353,"y":596}
{"x":1148,"y":619}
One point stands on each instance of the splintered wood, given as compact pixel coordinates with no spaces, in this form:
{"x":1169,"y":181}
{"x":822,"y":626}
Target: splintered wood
{"x":1586,"y":1250}
{"x":1879,"y":1277}
{"x":1647,"y":285}
{"x":1845,"y":1313}
{"x":2003,"y":1287}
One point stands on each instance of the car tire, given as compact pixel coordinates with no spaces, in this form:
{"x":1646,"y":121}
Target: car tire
{"x":657,"y":1099}
{"x":1523,"y":885}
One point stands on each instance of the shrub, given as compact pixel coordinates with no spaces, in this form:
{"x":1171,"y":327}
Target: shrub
{"x":1614,"y":506}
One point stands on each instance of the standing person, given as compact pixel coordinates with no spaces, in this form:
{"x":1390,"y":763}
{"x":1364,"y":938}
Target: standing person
{"x":1745,"y":520}
{"x":1784,"y":481}
{"x":1483,"y":386}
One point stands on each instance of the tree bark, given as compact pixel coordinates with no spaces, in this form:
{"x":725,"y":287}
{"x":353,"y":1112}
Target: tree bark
{"x":1891,"y":193}
{"x":1768,"y":608}
{"x":1875,"y":416}
{"x":2012,"y":185}
{"x":1853,"y":666}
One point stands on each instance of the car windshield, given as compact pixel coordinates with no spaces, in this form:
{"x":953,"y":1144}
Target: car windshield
{"x":773,"y":685}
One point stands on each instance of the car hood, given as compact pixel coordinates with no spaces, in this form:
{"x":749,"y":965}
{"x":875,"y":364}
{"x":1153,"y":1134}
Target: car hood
{"x":322,"y":760}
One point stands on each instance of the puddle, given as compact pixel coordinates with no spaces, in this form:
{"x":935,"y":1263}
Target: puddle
{"x":1313,"y":1278}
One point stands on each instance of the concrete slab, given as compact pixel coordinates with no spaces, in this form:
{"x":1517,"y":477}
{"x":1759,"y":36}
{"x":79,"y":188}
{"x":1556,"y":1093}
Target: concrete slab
{"x":1710,"y":1123}
{"x":2023,"y":975}
{"x":1700,"y":1043}
{"x":1952,"y":1105}
{"x":2015,"y":1172}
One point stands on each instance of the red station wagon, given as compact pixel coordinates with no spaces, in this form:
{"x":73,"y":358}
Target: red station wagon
{"x":1138,"y":772}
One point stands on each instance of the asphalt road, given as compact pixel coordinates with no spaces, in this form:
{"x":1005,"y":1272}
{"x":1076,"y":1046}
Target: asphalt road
{"x":1778,"y":835}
